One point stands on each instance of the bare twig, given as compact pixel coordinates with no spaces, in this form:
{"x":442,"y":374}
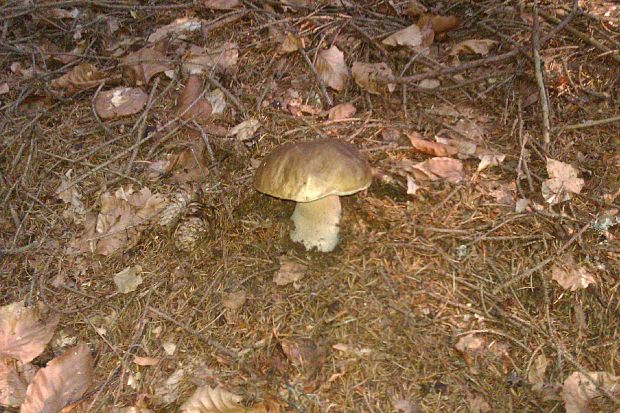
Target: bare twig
{"x":544,"y":97}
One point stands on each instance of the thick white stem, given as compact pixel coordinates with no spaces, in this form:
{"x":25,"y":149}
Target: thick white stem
{"x":317,"y":223}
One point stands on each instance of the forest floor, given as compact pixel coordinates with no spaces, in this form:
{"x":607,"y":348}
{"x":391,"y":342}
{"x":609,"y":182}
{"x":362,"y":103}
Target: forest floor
{"x":478,"y":273}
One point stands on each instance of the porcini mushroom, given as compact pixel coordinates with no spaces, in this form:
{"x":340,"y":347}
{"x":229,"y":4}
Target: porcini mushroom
{"x":314,"y":174}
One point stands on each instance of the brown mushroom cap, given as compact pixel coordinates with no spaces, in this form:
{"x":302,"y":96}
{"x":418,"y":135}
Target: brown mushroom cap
{"x":308,"y":171}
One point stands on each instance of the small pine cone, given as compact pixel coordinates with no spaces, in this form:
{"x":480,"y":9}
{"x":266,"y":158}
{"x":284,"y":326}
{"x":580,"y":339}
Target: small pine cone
{"x":189,"y":233}
{"x":176,"y":208}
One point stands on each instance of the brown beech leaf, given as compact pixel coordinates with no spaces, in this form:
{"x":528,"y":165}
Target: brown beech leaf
{"x":63,"y":381}
{"x":213,"y":400}
{"x":415,"y":8}
{"x":331,"y":67}
{"x":411,"y":36}
{"x":187,"y":165}
{"x":562,"y":182}
{"x":342,"y":111}
{"x":439,"y":168}
{"x":192,"y":104}
{"x":140,"y":66}
{"x":177,"y":29}
{"x":366,"y":75}
{"x":570,"y":275}
{"x":22,"y":336}
{"x":223,"y":57}
{"x":222,"y":4}
{"x":304,"y":353}
{"x":12,"y":385}
{"x":473,"y":46}
{"x":82,"y":76}
{"x":431,"y":148}
{"x":146,"y":361}
{"x":578,"y":389}
{"x":439,"y":24}
{"x":234,"y":300}
{"x":119,"y":102}
{"x":120,"y":222}
{"x":290,"y":272}
{"x":290,"y":43}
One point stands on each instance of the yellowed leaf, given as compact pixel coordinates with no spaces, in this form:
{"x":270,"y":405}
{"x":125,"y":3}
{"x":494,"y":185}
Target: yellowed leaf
{"x":213,"y":400}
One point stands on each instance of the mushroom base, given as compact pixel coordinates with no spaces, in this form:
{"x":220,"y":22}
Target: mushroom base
{"x":316,"y":223}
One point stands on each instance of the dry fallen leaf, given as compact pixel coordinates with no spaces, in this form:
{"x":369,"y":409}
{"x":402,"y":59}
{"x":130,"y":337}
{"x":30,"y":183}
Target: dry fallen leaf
{"x":128,"y":279}
{"x":429,"y":147}
{"x":477,"y":404}
{"x":119,"y":225}
{"x":187,"y":165}
{"x":342,"y":111}
{"x":221,"y":4}
{"x":571,"y":276}
{"x":178,"y":28}
{"x":470,"y":346}
{"x":404,"y":405}
{"x":82,"y":76}
{"x":245,"y":130}
{"x":578,"y":389}
{"x":411,"y":36}
{"x":122,"y":101}
{"x":12,"y":385}
{"x":22,"y":336}
{"x":4,"y":88}
{"x":71,"y":195}
{"x":234,"y":300}
{"x":213,"y":400}
{"x":146,"y":361}
{"x":304,"y":353}
{"x":217,"y":99}
{"x":439,"y":168}
{"x":290,"y":43}
{"x":140,"y":66}
{"x":222,"y":57}
{"x":191,"y":103}
{"x":536,"y":373}
{"x":63,"y":381}
{"x":167,"y":391}
{"x":562,"y":182}
{"x":415,"y":8}
{"x":412,"y":187}
{"x":473,"y":46}
{"x":439,"y":24}
{"x":331,"y":67}
{"x":429,"y":84}
{"x":366,"y":75}
{"x":290,"y":271}
{"x":488,"y":160}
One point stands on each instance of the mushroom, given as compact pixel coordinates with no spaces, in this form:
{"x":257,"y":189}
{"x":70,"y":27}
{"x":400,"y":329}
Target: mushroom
{"x":314,"y":174}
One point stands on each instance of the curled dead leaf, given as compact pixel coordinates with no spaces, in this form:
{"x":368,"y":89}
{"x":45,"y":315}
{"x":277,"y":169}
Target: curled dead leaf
{"x":191,"y":103}
{"x":578,"y":389}
{"x":223,"y":57}
{"x":63,"y":381}
{"x":304,"y":353}
{"x":411,"y":36}
{"x":22,"y":335}
{"x":342,"y":111}
{"x":331,"y":67}
{"x":178,"y":28}
{"x":473,"y":46}
{"x":439,"y":168}
{"x":290,"y":43}
{"x":119,"y":102}
{"x":366,"y":76}
{"x":290,"y":271}
{"x":429,"y":147}
{"x":562,"y":182}
{"x":140,"y":66}
{"x":82,"y":76}
{"x":212,"y":400}
{"x":222,"y":4}
{"x":12,"y":384}
{"x":439,"y":24}
{"x":570,"y":275}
